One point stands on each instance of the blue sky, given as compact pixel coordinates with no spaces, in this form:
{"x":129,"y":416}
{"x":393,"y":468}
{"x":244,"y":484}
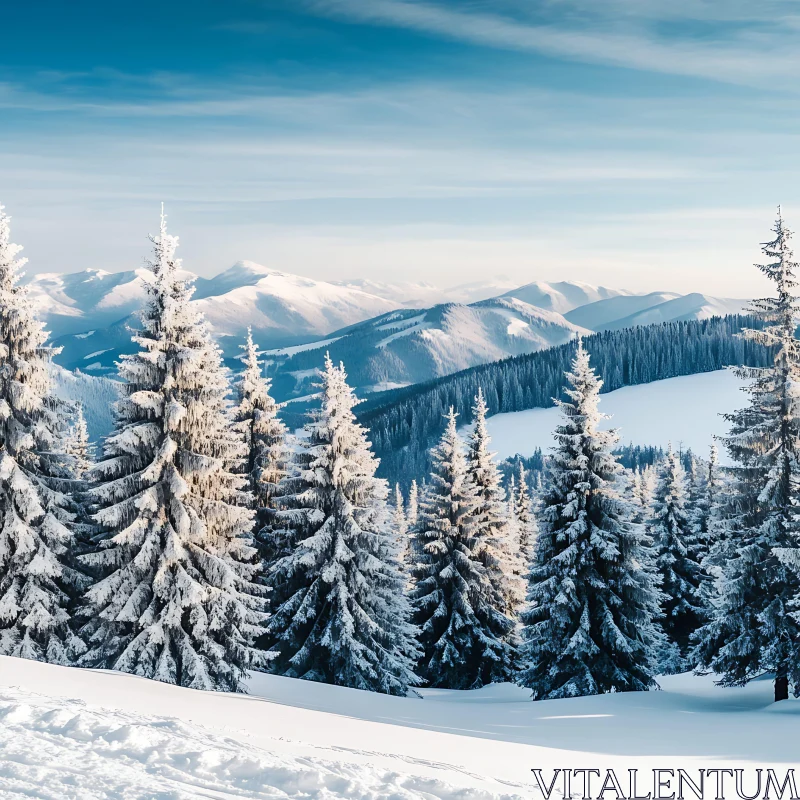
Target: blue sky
{"x":635,"y":143}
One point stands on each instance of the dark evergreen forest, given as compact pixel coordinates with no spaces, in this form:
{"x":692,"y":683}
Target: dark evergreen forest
{"x":404,"y":422}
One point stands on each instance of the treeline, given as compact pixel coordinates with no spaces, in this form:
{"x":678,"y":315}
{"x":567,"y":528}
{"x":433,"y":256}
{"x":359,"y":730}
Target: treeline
{"x":405,"y":422}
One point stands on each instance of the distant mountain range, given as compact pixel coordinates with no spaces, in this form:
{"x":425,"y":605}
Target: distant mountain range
{"x":283,"y":308}
{"x":388,"y":334}
{"x":410,"y":345}
{"x":425,"y":295}
{"x":563,"y":296}
{"x":626,"y":311}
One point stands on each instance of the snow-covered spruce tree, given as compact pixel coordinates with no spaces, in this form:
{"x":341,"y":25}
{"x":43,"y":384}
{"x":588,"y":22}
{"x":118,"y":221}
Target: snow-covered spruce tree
{"x":705,"y":486}
{"x":403,"y":531}
{"x":641,"y":495}
{"x":526,"y":518}
{"x":464,"y":634}
{"x":496,"y":542}
{"x":593,"y":594}
{"x":77,"y":444}
{"x":255,"y":417}
{"x":710,"y":528}
{"x":678,"y":556}
{"x":755,"y":627}
{"x":37,"y":575}
{"x":176,"y":598}
{"x":400,"y":521}
{"x":340,"y":614}
{"x":412,"y":509}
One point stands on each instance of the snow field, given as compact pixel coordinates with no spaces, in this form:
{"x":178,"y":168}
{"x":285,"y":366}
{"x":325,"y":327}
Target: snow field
{"x":685,"y":410}
{"x":92,"y":734}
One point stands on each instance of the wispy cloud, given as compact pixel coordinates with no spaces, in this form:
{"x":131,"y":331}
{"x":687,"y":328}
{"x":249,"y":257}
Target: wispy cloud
{"x":448,"y":168}
{"x":745,"y":57}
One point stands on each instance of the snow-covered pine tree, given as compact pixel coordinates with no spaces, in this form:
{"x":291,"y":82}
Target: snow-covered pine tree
{"x":400,"y":521}
{"x":496,"y":543}
{"x":340,"y":613}
{"x":37,"y":575}
{"x":405,"y":535}
{"x":77,"y":443}
{"x":512,"y":521}
{"x":465,"y":636}
{"x":255,"y":417}
{"x":678,"y":556}
{"x":710,"y":528}
{"x":754,"y":628}
{"x":593,"y":595}
{"x":526,"y":517}
{"x":705,"y":482}
{"x":640,"y":495}
{"x":518,"y":535}
{"x":413,"y":505}
{"x":176,"y":598}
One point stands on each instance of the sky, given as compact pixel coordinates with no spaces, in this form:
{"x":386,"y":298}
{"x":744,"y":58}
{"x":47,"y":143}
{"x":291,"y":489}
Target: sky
{"x":644,"y":144}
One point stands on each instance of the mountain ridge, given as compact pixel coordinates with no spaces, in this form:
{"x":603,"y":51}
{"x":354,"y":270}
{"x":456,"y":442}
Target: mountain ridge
{"x":383,"y":342}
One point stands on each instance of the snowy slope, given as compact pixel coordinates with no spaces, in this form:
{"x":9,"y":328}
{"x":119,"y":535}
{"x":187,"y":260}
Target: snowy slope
{"x":562,"y":296}
{"x":409,"y":346}
{"x":283,"y":309}
{"x":648,"y":309}
{"x":96,"y":394}
{"x":76,"y":302}
{"x":282,"y":306}
{"x":686,"y":411}
{"x":553,"y":296}
{"x":596,"y":316}
{"x":690,"y":306}
{"x":90,"y":734}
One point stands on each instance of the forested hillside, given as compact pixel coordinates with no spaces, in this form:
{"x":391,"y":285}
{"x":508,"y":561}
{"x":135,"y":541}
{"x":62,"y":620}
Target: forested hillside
{"x":404,"y":422}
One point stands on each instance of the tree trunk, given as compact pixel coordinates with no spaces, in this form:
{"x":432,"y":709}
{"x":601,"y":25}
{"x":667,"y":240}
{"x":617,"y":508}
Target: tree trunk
{"x":781,"y":688}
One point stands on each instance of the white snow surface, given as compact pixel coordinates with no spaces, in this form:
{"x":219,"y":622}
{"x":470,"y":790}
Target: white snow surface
{"x":300,"y":348}
{"x":269,"y":300}
{"x":562,"y":296}
{"x":245,"y":294}
{"x":73,"y":733}
{"x":626,"y":311}
{"x":685,"y":410}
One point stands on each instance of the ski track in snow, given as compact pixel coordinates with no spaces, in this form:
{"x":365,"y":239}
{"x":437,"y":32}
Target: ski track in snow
{"x":54,"y":749}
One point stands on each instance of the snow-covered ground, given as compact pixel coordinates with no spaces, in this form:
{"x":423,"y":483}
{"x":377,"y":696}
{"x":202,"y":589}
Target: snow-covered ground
{"x":70,"y":733}
{"x":685,"y":411}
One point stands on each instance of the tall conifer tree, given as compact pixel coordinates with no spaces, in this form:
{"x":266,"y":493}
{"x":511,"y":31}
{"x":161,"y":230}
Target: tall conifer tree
{"x":78,"y":445}
{"x":497,"y":541}
{"x":593,"y":596}
{"x":37,"y":578}
{"x":678,"y":555}
{"x":403,"y":531}
{"x":256,"y":419}
{"x":175,"y":599}
{"x":340,"y":614}
{"x":464,"y":634}
{"x":413,"y":504}
{"x":755,"y":627}
{"x":711,"y":528}
{"x":523,"y":505}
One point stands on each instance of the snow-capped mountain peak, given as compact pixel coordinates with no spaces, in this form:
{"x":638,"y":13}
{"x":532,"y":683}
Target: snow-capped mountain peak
{"x":562,"y":296}
{"x":242,"y":273}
